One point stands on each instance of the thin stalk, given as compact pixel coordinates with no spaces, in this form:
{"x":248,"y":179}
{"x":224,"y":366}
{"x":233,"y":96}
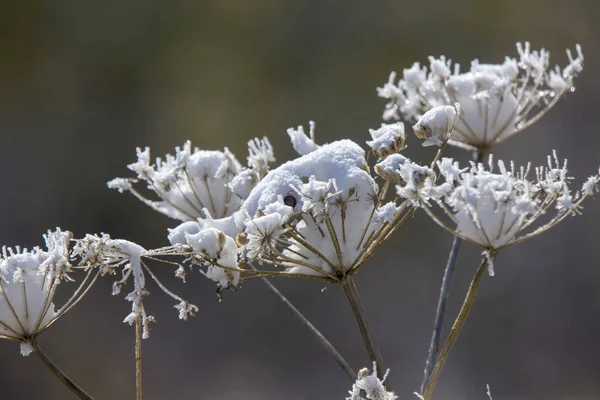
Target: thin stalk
{"x":79,"y":392}
{"x":365,"y":326}
{"x":434,"y":345}
{"x":459,"y":322}
{"x":438,"y":324}
{"x":315,"y":332}
{"x":138,"y":357}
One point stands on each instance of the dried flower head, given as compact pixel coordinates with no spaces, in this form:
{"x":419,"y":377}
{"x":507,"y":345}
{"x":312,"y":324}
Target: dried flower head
{"x":320,"y":216}
{"x":497,"y":100}
{"x":28,"y":283}
{"x":199,"y":183}
{"x":499,"y":209}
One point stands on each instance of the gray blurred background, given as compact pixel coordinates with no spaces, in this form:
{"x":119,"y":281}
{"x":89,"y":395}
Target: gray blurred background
{"x":82,"y":83}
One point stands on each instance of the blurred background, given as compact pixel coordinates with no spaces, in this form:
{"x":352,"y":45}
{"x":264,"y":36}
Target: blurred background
{"x":82,"y":83}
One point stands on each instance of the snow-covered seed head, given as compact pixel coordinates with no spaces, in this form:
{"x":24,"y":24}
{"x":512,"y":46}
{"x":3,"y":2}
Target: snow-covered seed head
{"x":436,"y":126}
{"x":496,"y":209}
{"x":497,"y":100}
{"x":388,"y":139}
{"x":198,"y":183}
{"x":319,"y":216}
{"x":28,"y":284}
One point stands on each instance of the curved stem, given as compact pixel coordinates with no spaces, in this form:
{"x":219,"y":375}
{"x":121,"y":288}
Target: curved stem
{"x":79,"y":392}
{"x":365,"y":327}
{"x":459,"y":322}
{"x":434,"y":345}
{"x":315,"y":332}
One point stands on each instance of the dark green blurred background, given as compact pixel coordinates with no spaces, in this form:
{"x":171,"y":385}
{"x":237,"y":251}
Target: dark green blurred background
{"x":82,"y":83}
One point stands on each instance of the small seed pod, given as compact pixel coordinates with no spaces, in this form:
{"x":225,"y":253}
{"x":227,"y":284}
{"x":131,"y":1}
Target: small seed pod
{"x":389,"y":168}
{"x":387,"y":140}
{"x":241,"y":240}
{"x":437,"y":125}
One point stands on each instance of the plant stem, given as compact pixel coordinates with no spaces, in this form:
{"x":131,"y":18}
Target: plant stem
{"x":79,"y":392}
{"x":456,"y":328}
{"x":434,"y":345}
{"x":438,"y":324}
{"x":365,"y":327}
{"x":138,"y":357}
{"x":315,"y":332}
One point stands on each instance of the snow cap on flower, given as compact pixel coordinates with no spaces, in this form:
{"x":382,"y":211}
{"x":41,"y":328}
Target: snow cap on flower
{"x":497,"y":100}
{"x":388,"y":139}
{"x":436,"y":125}
{"x":318,"y":216}
{"x":210,"y":248}
{"x":28,"y":283}
{"x":369,"y":386}
{"x":389,"y":168}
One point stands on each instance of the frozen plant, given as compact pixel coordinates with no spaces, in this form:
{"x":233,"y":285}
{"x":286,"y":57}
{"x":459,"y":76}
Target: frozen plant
{"x":323,"y":214}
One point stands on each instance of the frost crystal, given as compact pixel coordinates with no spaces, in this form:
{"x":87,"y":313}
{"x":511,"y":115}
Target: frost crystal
{"x":303,"y":144}
{"x":370,"y":387}
{"x":497,"y":100}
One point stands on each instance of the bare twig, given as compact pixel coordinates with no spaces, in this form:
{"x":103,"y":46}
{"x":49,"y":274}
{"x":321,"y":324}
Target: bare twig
{"x":315,"y":332}
{"x":138,"y":357}
{"x":441,"y":310}
{"x":79,"y":392}
{"x":459,"y":322}
{"x":365,"y":326}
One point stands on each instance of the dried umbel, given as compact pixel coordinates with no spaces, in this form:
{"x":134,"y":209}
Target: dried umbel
{"x":320,"y":216}
{"x":497,"y":100}
{"x":199,"y":183}
{"x":110,"y":256}
{"x":28,"y":283}
{"x":497,"y":209}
